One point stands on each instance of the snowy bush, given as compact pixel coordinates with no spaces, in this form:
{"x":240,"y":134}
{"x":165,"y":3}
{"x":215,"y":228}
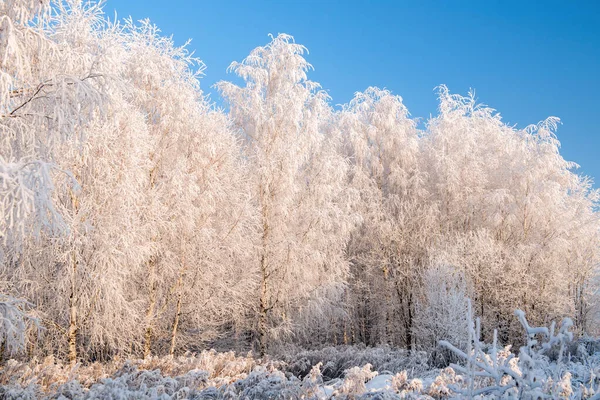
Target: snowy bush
{"x":487,"y":372}
{"x":355,"y":379}
{"x":338,"y":359}
{"x":441,"y":314}
{"x":530,"y":375}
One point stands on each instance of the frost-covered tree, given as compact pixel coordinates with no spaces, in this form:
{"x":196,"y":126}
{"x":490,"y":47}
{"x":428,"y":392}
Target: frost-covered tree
{"x":514,"y":210}
{"x":497,"y":202}
{"x":441,"y":308}
{"x":297,"y":185}
{"x":195,"y":213}
{"x":75,"y":112}
{"x":389,"y":247}
{"x":151,"y":199}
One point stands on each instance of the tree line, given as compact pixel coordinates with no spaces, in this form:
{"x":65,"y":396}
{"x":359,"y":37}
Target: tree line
{"x":137,"y":218}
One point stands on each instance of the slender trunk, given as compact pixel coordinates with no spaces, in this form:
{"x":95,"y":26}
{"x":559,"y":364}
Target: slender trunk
{"x":153,"y":284}
{"x":353,"y":333}
{"x":72,"y":332}
{"x":264,"y":276}
{"x":409,"y":323}
{"x":345,"y":322}
{"x":151,"y":309}
{"x":73,"y":327}
{"x":2,"y":350}
{"x":31,"y":345}
{"x":580,"y":314}
{"x":388,"y":305}
{"x":482,"y":318}
{"x":335,"y":334}
{"x":179,"y":288}
{"x":177,"y":314}
{"x":363,"y":320}
{"x":346,"y":340}
{"x":262,"y":318}
{"x":405,"y":299}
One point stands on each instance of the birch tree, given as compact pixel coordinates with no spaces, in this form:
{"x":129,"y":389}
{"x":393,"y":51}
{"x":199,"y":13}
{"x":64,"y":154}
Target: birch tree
{"x":75,"y":113}
{"x":297,"y":184}
{"x":195,"y":215}
{"x":390,"y":246}
{"x":514,"y":207}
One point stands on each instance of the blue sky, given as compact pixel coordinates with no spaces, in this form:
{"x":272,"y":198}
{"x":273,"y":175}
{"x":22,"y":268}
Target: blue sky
{"x":527,"y":59}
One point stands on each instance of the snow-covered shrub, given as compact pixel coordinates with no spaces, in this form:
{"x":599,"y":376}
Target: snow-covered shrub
{"x":441,"y":313}
{"x":179,"y":378}
{"x":440,"y":387}
{"x":17,"y":392}
{"x":531,"y":375}
{"x":132,"y":383}
{"x":405,"y":387}
{"x":355,"y":379}
{"x":338,"y":359}
{"x":216,"y":364}
{"x":194,"y":370}
{"x":69,"y":390}
{"x":264,"y":384}
{"x":312,"y":383}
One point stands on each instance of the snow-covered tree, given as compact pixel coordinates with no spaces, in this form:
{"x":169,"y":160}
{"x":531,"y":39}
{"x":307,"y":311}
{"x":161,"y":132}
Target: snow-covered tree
{"x":196,"y":215}
{"x":389,"y":247}
{"x":152,"y":192}
{"x":440,"y":310}
{"x":79,"y":123}
{"x":297,"y":184}
{"x":514,"y":210}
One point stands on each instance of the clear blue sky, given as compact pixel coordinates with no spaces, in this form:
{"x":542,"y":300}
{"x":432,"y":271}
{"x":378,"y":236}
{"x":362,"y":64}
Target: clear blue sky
{"x":527,"y":59}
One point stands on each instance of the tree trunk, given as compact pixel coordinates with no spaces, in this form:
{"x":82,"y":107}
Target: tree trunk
{"x":482,"y":318}
{"x":2,"y":350}
{"x":262,"y":318}
{"x":264,"y":275}
{"x":346,"y":341}
{"x":151,"y":310}
{"x":405,"y":299}
{"x":177,"y":314}
{"x":388,"y":305}
{"x":72,"y":332}
{"x":409,"y":323}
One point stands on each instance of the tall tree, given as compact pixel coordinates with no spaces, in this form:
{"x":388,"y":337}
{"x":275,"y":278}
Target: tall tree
{"x":514,"y":208}
{"x":71,"y":112}
{"x":196,"y":213}
{"x":389,"y":248}
{"x":297,"y":184}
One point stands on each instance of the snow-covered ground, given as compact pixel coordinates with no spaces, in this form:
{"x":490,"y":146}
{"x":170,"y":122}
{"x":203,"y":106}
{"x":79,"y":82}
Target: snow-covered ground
{"x":214,"y":375}
{"x":549,"y":365}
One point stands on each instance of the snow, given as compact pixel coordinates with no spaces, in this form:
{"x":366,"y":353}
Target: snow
{"x":226,"y":376}
{"x":380,"y":382}
{"x":483,"y":372}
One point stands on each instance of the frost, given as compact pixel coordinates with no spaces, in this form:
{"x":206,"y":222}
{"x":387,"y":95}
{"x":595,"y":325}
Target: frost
{"x":333,"y":248}
{"x":213,"y":375}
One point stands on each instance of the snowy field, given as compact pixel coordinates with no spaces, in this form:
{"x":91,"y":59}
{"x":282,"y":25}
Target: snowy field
{"x":343,"y":372}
